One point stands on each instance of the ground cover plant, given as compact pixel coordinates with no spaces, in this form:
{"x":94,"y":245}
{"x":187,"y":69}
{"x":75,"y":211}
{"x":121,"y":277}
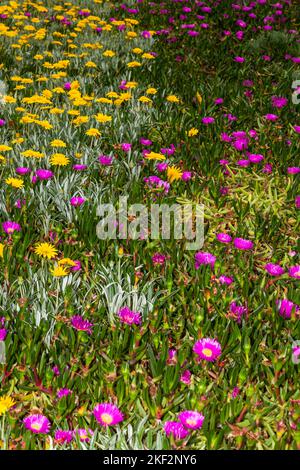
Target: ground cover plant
{"x":125,"y":343}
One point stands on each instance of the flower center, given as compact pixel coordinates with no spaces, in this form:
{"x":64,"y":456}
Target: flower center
{"x":36,"y":426}
{"x":106,"y":418}
{"x":207,"y":352}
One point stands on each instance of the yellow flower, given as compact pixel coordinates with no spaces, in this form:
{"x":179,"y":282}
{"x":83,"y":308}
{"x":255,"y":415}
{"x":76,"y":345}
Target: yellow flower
{"x":109,"y":53}
{"x":5,"y":148}
{"x":5,"y":404}
{"x":198,"y":97}
{"x":15,"y":182}
{"x":151,"y":91}
{"x":173,"y":173}
{"x":58,"y":143}
{"x":80,"y":120}
{"x":67,"y":262}
{"x":192,"y":132}
{"x":1,"y":250}
{"x":90,"y":64}
{"x":155,"y":156}
{"x":134,"y":64}
{"x":93,"y":132}
{"x":102,"y":118}
{"x":46,"y":250}
{"x":173,"y":99}
{"x":32,"y":153}
{"x":59,"y":271}
{"x":137,"y":50}
{"x":59,"y":159}
{"x":148,"y":56}
{"x":145,"y":99}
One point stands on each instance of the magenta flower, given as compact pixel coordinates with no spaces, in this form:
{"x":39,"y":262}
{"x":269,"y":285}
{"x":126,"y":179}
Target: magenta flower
{"x":80,"y":324}
{"x":286,"y":307}
{"x":2,"y":122}
{"x":294,"y":271}
{"x":37,"y":423}
{"x":239,"y":59}
{"x":191,"y":419}
{"x":238,"y":311}
{"x":62,"y":437}
{"x":176,"y":429}
{"x":242,"y":244}
{"x":274,"y":269}
{"x":225,"y":280}
{"x":146,"y":142}
{"x":84,"y":434}
{"x":204,"y":258}
{"x":186,"y":377}
{"x":79,"y":167}
{"x":23,"y":170}
{"x":10,"y":227}
{"x":77,"y":201}
{"x":207,"y":349}
{"x":104,"y":160}
{"x":208,"y":120}
{"x":3,"y":333}
{"x":271,"y":117}
{"x":293,"y":170}
{"x":224,"y":237}
{"x":63,"y":392}
{"x":186,"y":176}
{"x":235,"y":392}
{"x":297,"y":202}
{"x":161,"y":167}
{"x":129,"y":317}
{"x":126,"y":147}
{"x":255,"y":157}
{"x":67,"y":86}
{"x":244,"y":163}
{"x":77,"y":266}
{"x":44,"y":174}
{"x":107,"y":414}
{"x":158,"y":258}
{"x":279,"y":101}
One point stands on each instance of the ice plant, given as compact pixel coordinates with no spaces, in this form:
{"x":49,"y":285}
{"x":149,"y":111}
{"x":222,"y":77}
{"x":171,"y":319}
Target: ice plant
{"x":10,"y":227}
{"x":176,"y":429}
{"x":191,"y":419}
{"x":129,"y":316}
{"x":204,"y":258}
{"x":80,"y":324}
{"x":207,"y":349}
{"x":242,"y":244}
{"x":107,"y":414}
{"x":37,"y":423}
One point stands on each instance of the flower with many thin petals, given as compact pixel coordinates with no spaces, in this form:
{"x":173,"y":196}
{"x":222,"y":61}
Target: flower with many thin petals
{"x":37,"y":423}
{"x":107,"y":414}
{"x":207,"y":349}
{"x":191,"y":419}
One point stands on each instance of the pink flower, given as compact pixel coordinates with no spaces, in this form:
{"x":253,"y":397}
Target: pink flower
{"x":224,"y":237}
{"x":10,"y":227}
{"x":208,"y":120}
{"x":158,"y":258}
{"x":294,"y":271}
{"x":242,"y":244}
{"x":62,"y":437}
{"x":104,"y":160}
{"x":176,"y":429}
{"x":186,"y":377}
{"x":191,"y":419}
{"x":129,"y":317}
{"x":107,"y":414}
{"x":205,"y":258}
{"x":225,"y":280}
{"x":63,"y":392}
{"x":274,"y":269}
{"x":207,"y":349}
{"x":186,"y":175}
{"x":77,"y":201}
{"x":80,"y":324}
{"x":37,"y":423}
{"x":271,"y":117}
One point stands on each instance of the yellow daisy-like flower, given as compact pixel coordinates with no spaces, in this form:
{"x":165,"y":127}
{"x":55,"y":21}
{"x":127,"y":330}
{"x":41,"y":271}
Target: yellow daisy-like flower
{"x":91,"y":64}
{"x":59,"y":271}
{"x":192,"y":132}
{"x":109,"y":53}
{"x":173,"y":99}
{"x":102,"y":118}
{"x":134,"y":64}
{"x":5,"y":148}
{"x":46,"y":250}
{"x":93,"y":132}
{"x":66,"y":262}
{"x":58,"y":143}
{"x":59,"y":159}
{"x":145,"y":99}
{"x":173,"y":173}
{"x":151,"y":91}
{"x":15,"y":182}
{"x":5,"y":404}
{"x":155,"y":156}
{"x":32,"y":153}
